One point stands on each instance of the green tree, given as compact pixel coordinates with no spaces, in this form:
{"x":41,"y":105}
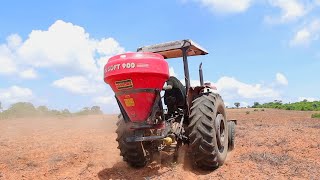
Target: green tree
{"x":43,"y":109}
{"x":237,"y":104}
{"x":54,"y":112}
{"x":96,"y":110}
{"x":277,"y":101}
{"x":256,"y":104}
{"x":66,"y":112}
{"x":84,"y":111}
{"x":21,"y":109}
{"x":87,"y":109}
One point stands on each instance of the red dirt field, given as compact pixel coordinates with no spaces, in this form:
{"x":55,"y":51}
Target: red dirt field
{"x":270,"y":144}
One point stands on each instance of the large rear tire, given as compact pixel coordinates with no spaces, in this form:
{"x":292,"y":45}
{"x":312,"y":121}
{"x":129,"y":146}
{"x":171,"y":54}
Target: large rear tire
{"x":133,"y":152}
{"x":208,"y":131}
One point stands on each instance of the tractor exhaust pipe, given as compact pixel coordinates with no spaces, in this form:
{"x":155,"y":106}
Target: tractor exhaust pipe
{"x":201,"y":74}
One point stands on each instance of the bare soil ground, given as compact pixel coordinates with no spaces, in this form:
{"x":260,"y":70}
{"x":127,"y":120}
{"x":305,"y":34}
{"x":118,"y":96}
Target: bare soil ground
{"x":270,"y":144}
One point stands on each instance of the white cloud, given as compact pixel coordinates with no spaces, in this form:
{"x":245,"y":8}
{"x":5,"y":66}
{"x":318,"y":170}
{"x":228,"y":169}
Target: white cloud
{"x":309,"y":99}
{"x":68,"y":46}
{"x":244,"y":104}
{"x":307,"y":34}
{"x":70,"y":49}
{"x":63,"y":46}
{"x":104,"y":100}
{"x":281,"y":79}
{"x":193,"y":83}
{"x":109,"y":47}
{"x":28,"y":74}
{"x":226,"y":103}
{"x":15,"y":94}
{"x":7,"y":66}
{"x":108,"y":104}
{"x":290,"y":10}
{"x":78,"y":85}
{"x":232,"y":88}
{"x":171,"y":72}
{"x":302,"y":37}
{"x":14,"y":41}
{"x":226,"y":6}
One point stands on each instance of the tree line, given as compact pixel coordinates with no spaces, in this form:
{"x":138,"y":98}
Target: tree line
{"x":304,"y":105}
{"x":26,"y":109}
{"x":298,"y":106}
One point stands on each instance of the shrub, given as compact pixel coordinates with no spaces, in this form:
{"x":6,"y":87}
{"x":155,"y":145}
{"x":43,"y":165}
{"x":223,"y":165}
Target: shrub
{"x":255,"y":110}
{"x":262,"y":109}
{"x":288,"y":108}
{"x":237,"y":104}
{"x":316,"y":115}
{"x":247,"y":112}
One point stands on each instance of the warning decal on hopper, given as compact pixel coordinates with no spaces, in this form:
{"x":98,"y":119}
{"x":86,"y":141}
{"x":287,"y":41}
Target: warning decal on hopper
{"x":129,"y":102}
{"x":124,"y":84}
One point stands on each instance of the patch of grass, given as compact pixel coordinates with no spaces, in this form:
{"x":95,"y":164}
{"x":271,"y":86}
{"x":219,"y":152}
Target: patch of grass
{"x":262,"y":109}
{"x":315,"y":115}
{"x":255,"y":110}
{"x":247,"y":112}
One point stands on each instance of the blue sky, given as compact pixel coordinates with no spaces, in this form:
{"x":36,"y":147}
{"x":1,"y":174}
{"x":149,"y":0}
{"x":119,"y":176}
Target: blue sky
{"x":52,"y":53}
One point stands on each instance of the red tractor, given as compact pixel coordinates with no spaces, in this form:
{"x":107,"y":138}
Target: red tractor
{"x":150,"y":123}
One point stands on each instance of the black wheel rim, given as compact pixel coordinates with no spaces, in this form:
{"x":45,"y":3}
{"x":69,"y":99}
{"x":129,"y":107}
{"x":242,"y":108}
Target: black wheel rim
{"x":220,"y":132}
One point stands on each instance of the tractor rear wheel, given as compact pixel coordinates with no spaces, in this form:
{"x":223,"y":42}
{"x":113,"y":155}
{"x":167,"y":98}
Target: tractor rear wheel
{"x":232,"y":134}
{"x":133,"y":152}
{"x":208,"y":131}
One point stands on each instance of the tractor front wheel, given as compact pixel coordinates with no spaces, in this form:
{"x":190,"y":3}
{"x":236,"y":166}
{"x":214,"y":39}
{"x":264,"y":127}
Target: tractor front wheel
{"x":133,"y":152}
{"x":208,"y":131}
{"x":232,"y":127}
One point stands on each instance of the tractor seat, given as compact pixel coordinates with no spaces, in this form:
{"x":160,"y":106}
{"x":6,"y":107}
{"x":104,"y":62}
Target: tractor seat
{"x":175,"y":97}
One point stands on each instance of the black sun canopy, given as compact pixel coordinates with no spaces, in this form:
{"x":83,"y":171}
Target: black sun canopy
{"x":173,"y":49}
